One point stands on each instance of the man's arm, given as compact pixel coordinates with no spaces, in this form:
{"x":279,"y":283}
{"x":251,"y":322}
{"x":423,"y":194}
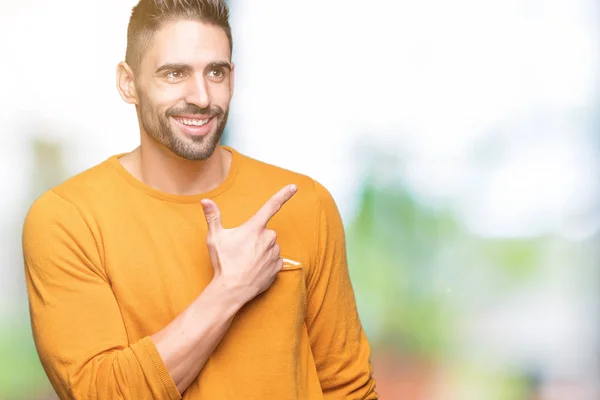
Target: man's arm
{"x":338,"y":342}
{"x":77,"y":325}
{"x":76,"y":321}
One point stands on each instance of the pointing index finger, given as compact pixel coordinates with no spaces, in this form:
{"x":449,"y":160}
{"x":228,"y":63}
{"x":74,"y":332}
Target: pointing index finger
{"x":272,"y":206}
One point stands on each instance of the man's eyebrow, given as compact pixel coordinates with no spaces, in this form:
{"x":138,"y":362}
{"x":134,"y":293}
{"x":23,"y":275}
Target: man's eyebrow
{"x":188,"y":68}
{"x":174,"y":67}
{"x":220,"y":64}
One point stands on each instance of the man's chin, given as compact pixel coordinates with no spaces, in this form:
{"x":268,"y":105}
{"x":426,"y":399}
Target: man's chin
{"x":195,"y":148}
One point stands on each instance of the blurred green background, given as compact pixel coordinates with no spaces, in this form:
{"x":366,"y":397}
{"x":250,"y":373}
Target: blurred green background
{"x":460,"y":140}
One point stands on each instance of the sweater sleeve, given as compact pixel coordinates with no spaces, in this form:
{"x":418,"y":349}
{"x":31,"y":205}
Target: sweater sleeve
{"x":338,"y":342}
{"x":77,"y":326}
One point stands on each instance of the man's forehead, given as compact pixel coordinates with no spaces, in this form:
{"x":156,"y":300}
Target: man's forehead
{"x":190,"y":42}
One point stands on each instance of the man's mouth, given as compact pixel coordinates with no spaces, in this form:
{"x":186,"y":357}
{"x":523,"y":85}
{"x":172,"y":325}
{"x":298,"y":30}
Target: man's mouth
{"x":195,"y":124}
{"x":192,"y":121}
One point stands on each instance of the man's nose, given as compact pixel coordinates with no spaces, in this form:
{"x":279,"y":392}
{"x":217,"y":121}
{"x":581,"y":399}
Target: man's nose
{"x":197,"y":93}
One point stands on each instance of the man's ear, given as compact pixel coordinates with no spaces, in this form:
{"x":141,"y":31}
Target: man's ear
{"x":126,"y":83}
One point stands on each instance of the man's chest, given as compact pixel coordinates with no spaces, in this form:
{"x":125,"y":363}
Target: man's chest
{"x":158,"y":263}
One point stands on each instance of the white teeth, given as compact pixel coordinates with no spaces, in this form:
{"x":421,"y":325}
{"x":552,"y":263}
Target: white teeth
{"x":193,"y":122}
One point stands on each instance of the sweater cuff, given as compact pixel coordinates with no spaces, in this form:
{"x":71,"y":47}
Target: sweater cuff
{"x":161,"y":369}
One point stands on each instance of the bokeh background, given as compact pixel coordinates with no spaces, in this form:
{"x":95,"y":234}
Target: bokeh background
{"x":461,"y":141}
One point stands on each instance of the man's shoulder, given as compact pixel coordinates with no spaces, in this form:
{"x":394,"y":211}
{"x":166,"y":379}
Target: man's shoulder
{"x":86,"y":186}
{"x":59,"y":216}
{"x":268,"y":171}
{"x":269,"y":178}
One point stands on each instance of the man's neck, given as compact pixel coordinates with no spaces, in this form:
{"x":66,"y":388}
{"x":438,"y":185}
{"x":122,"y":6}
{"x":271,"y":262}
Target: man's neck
{"x":159,"y":168}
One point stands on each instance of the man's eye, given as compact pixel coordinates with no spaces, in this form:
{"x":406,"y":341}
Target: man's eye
{"x":216,"y":73}
{"x":175,"y":75}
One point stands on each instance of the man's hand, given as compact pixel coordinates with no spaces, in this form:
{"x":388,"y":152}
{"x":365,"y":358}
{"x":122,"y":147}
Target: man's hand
{"x":246,"y":258}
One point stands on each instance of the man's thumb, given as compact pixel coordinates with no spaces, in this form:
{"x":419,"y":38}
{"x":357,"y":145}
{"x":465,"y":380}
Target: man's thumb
{"x":212,"y":215}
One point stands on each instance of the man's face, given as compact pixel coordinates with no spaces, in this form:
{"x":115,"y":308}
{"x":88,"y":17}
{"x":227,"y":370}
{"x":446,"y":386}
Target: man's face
{"x":185,"y":84}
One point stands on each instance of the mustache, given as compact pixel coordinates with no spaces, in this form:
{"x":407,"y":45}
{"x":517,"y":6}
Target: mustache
{"x":193,"y":109}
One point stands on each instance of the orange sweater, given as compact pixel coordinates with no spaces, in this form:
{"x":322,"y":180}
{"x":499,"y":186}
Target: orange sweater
{"x":109,"y":261}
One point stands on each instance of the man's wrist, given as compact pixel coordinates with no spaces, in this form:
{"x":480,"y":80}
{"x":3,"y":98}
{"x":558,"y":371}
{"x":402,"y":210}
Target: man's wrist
{"x":233,"y":298}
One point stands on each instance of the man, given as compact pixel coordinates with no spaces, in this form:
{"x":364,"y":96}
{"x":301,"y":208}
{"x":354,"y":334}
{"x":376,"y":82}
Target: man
{"x":184,"y":268}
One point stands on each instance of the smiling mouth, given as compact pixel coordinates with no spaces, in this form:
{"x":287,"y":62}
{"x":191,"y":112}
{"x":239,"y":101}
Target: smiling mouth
{"x":192,"y":121}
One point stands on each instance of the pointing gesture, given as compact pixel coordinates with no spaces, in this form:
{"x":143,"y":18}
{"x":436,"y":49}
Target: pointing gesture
{"x":246,"y":258}
{"x":271,"y":207}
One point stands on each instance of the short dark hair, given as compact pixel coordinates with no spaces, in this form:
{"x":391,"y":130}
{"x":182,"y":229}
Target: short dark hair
{"x":148,"y":16}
